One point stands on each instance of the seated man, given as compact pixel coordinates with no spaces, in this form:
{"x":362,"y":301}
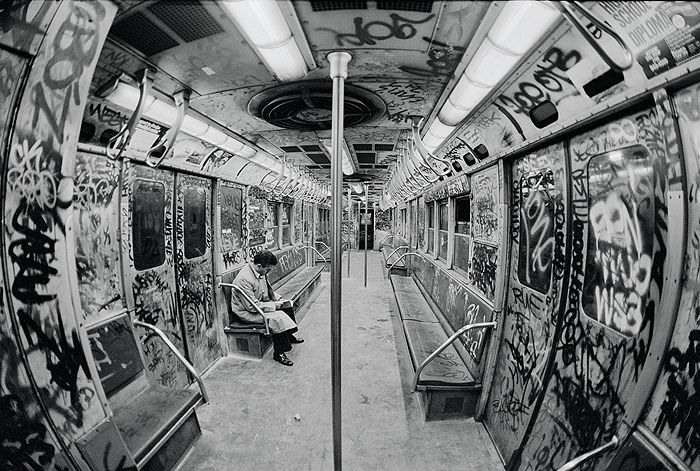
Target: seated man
{"x":252,"y":279}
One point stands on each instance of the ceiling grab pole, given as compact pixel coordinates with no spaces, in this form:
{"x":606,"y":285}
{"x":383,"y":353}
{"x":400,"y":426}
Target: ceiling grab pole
{"x":339,"y":72}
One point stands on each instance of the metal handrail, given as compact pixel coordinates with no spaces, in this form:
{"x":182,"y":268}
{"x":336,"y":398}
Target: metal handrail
{"x":396,"y":250}
{"x":251,"y":301}
{"x":324,"y":244}
{"x":446,"y":344}
{"x":399,"y":259}
{"x":385,"y":238}
{"x":611,"y":445}
{"x":316,"y":250}
{"x":179,"y":356}
{"x":568,"y":8}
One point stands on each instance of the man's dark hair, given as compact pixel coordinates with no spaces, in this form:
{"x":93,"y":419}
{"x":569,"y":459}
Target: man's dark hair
{"x":265,"y":258}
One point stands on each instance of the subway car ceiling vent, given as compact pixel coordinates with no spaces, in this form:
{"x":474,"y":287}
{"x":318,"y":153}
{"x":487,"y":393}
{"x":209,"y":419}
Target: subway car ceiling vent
{"x":328,"y":5}
{"x":307,"y":106}
{"x":163,"y":25}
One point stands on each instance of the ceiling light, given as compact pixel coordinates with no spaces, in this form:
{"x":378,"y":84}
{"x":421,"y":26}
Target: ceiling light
{"x":265,"y":28}
{"x":518,"y":28}
{"x":356,"y":187}
{"x":489,"y":64}
{"x":521,"y":24}
{"x":348,"y":165}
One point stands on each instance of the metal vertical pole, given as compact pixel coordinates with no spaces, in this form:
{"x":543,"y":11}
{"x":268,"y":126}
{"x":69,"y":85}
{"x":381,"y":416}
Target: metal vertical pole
{"x":349,"y":225}
{"x":339,"y":72}
{"x":359,"y":223}
{"x":366,"y":225}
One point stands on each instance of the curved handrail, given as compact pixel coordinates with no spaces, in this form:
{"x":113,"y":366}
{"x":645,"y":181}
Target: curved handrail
{"x":182,"y":101}
{"x":567,"y":8}
{"x":122,"y":138}
{"x":179,"y":356}
{"x":399,"y":259}
{"x":396,"y":250}
{"x":315,"y":250}
{"x":323,"y":243}
{"x":611,"y":445}
{"x":446,"y":344}
{"x":385,"y":238}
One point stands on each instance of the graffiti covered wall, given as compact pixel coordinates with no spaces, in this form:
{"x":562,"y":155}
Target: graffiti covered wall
{"x":674,"y":415}
{"x":38,"y":208}
{"x":96,"y":201}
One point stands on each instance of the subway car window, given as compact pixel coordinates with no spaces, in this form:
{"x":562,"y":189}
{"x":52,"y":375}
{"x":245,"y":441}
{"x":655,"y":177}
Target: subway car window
{"x":231,"y":218}
{"x":442,"y":229}
{"x":286,"y":224}
{"x":621,"y":204}
{"x":148,"y":229}
{"x":462,"y":231}
{"x":195,"y":222}
{"x":431,"y":227}
{"x":272,"y":227}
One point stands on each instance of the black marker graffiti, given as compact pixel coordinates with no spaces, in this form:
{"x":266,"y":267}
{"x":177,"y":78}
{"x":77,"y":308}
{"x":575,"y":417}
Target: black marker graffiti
{"x":443,"y":60}
{"x":549,"y":77}
{"x":23,"y":442}
{"x":680,"y":412}
{"x":368,"y":34}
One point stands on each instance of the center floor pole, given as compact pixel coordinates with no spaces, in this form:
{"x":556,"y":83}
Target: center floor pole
{"x":349,"y":225}
{"x":339,"y":72}
{"x":366,"y":226}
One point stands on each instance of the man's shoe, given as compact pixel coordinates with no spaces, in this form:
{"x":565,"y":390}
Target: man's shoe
{"x":282,"y":358}
{"x":296,"y":340}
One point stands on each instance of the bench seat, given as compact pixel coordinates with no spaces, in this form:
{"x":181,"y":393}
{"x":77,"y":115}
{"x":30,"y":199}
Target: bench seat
{"x":448,"y":387}
{"x":150,"y":415}
{"x":412,"y":304}
{"x":155,"y":424}
{"x":251,"y":338}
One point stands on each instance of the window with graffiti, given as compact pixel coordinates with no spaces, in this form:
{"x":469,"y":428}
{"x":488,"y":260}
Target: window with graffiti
{"x":420,"y":222}
{"x":231,"y":218}
{"x":431,"y":227}
{"x":620,"y":238}
{"x":461,"y":253}
{"x":257,"y":214}
{"x":272,"y":225}
{"x":442,"y":229}
{"x":148,"y":231}
{"x":195,"y":209}
{"x":536,"y":222}
{"x":286,"y":224}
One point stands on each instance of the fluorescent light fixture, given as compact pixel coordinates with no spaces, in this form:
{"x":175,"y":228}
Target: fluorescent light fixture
{"x":348,"y":166}
{"x":127,"y":97}
{"x":518,"y":27}
{"x":356,"y":187}
{"x":440,"y":130}
{"x":490,"y":64}
{"x":265,"y":28}
{"x":521,"y":24}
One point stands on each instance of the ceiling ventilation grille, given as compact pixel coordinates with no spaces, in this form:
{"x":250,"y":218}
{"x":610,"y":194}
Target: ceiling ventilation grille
{"x":308,"y":106}
{"x":142,"y":34}
{"x":328,"y":5}
{"x":423,"y":6}
{"x":190,"y":21}
{"x":164,"y":25}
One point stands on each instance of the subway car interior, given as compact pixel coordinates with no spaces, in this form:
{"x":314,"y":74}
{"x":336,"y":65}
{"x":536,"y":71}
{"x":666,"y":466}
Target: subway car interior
{"x":484,"y":218}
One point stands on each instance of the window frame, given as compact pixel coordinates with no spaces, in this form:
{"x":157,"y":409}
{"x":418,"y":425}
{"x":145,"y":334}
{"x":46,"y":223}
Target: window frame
{"x":461,"y":236}
{"x":136,"y":223}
